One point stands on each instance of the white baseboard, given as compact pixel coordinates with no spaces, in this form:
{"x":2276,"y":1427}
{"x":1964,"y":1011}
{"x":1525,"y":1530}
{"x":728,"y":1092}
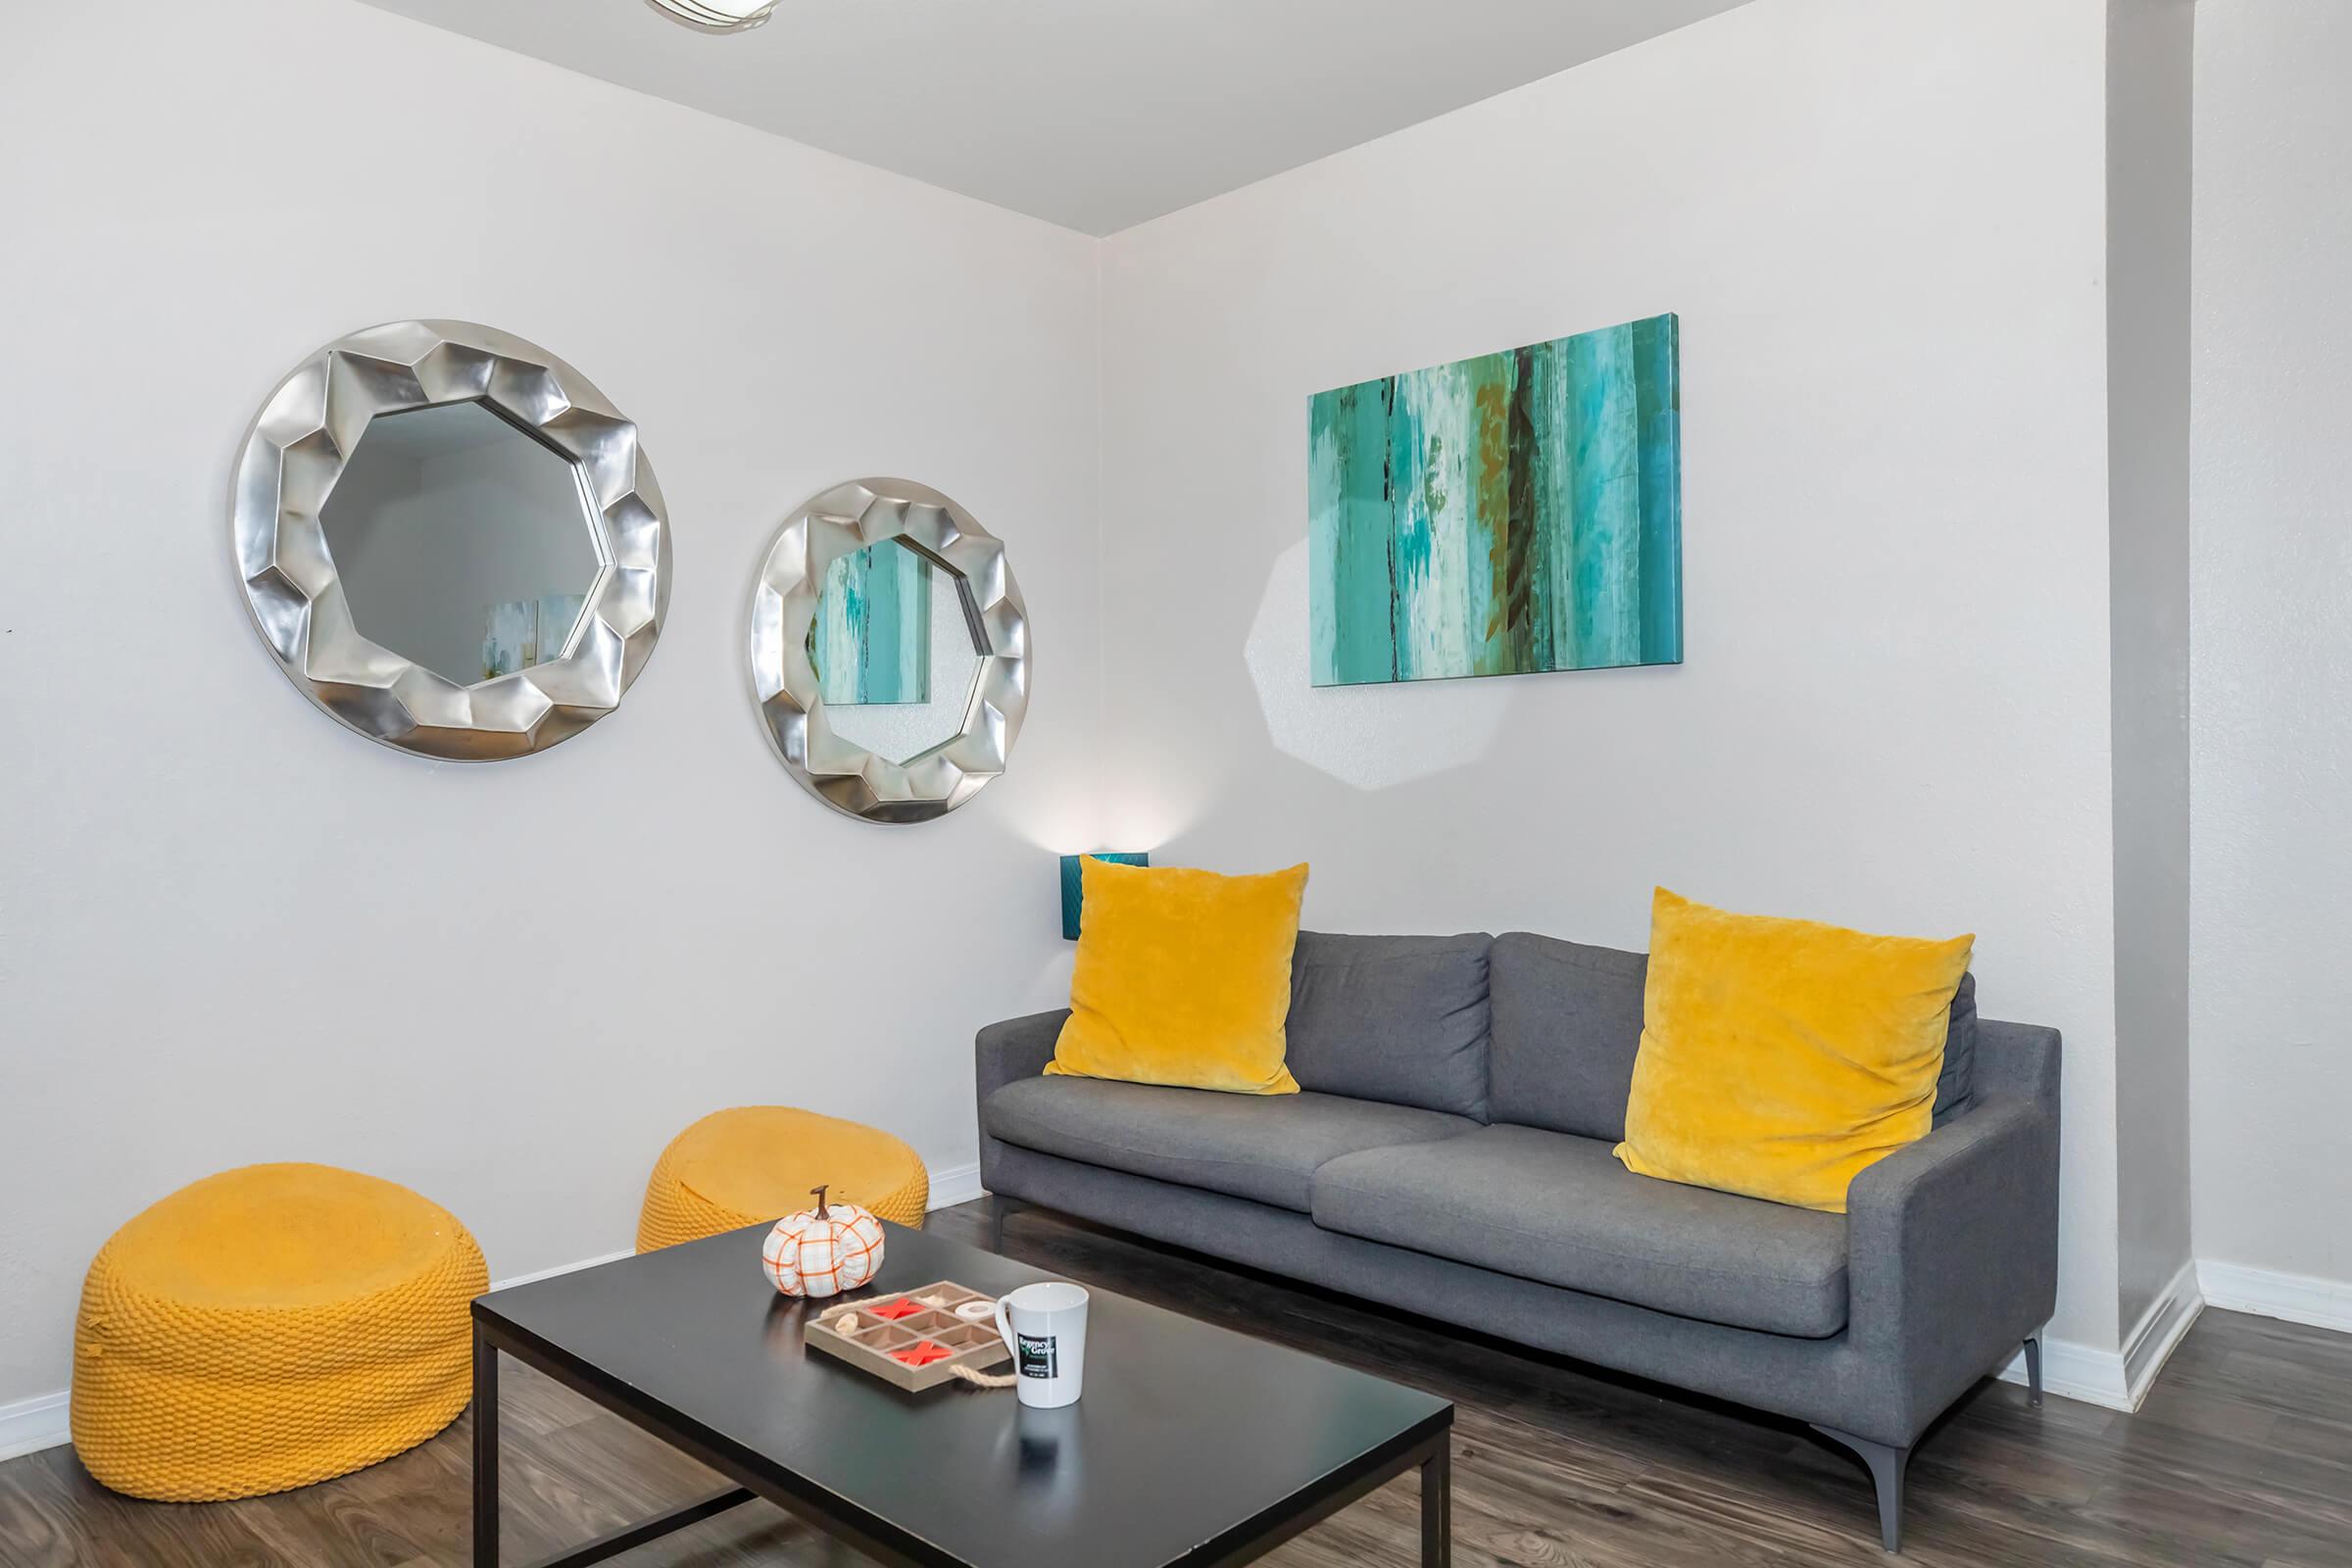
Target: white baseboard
{"x":28,"y":1426}
{"x":2159,"y":1331}
{"x":31,"y":1424}
{"x":956,"y":1184}
{"x":2267,"y":1292}
{"x":2119,"y":1380}
{"x":537,"y":1275}
{"x":2074,"y":1371}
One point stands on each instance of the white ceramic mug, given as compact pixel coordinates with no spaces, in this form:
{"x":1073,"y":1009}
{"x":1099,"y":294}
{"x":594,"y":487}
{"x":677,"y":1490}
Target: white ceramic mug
{"x":1045,"y":1328}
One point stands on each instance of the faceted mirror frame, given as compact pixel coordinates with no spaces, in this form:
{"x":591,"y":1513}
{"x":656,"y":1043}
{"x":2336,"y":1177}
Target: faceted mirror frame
{"x":846,"y":776}
{"x":299,"y":444}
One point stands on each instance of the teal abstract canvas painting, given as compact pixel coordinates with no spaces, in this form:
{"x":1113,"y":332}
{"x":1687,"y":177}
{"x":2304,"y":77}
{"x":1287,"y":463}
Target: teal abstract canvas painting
{"x":1501,"y":515}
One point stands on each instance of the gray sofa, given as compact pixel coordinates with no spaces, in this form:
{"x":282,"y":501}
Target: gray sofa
{"x":1450,"y":1155}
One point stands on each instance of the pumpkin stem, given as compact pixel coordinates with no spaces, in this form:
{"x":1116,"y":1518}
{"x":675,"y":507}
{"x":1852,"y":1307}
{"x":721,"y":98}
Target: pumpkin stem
{"x":820,"y":1202}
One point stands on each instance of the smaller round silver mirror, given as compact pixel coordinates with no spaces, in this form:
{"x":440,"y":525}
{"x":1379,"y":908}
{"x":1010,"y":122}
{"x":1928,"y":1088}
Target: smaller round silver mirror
{"x":451,"y":541}
{"x":889,"y":651}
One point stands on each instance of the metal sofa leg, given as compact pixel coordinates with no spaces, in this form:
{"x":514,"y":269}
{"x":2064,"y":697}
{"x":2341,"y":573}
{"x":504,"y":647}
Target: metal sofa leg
{"x":2033,"y":1366}
{"x":1887,"y":1466}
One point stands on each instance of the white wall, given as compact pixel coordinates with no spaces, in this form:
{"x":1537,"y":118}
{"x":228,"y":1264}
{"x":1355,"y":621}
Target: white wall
{"x":1882,"y":227}
{"x":231,"y":930}
{"x":2272,"y":618}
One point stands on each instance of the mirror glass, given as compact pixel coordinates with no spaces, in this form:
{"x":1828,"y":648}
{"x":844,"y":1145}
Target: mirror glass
{"x":463,"y":544}
{"x":893,"y":652}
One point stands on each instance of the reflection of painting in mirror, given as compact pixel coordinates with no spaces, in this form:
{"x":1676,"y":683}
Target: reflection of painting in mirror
{"x":871,"y":639}
{"x":528,"y":631}
{"x":1514,"y":512}
{"x":461,"y":543}
{"x":890,"y":634}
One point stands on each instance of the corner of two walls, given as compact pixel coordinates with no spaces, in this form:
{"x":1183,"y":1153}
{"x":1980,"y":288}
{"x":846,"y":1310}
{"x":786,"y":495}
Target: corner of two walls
{"x":2229,"y":388}
{"x":2271,"y":1070}
{"x":2150,"y":57}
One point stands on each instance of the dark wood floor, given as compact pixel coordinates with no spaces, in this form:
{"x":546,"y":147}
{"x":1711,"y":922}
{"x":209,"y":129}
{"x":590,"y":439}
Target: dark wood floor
{"x":2241,"y":1459}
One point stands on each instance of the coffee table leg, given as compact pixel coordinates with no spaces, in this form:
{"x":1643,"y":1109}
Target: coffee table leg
{"x":1436,"y":1505}
{"x":485,"y":1450}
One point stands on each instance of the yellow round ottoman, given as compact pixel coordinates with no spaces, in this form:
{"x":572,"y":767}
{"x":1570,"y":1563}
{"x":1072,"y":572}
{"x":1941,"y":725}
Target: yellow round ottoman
{"x":758,"y":1162}
{"x":271,"y":1327}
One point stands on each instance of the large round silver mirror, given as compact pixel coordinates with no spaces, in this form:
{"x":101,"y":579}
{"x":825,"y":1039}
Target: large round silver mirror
{"x":890,"y":651}
{"x":451,"y":541}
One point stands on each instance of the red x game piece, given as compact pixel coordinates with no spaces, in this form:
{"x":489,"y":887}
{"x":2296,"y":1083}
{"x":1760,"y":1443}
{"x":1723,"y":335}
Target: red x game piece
{"x":923,"y":1354}
{"x":894,"y":1310}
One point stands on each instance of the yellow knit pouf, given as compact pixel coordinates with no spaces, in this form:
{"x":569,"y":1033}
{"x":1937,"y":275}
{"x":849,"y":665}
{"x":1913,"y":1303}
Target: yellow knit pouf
{"x":758,"y":1162}
{"x":271,"y":1327}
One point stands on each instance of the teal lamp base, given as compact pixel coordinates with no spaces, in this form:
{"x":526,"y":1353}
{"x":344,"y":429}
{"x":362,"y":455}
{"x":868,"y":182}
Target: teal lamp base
{"x":1073,"y":887}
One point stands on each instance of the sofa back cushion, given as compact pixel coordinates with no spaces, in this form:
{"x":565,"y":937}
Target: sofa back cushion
{"x":1399,"y":1020}
{"x":1956,"y":1086}
{"x":1568,"y":1025}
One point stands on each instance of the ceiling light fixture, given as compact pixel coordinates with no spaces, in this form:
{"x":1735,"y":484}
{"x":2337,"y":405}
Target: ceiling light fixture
{"x":716,"y":15}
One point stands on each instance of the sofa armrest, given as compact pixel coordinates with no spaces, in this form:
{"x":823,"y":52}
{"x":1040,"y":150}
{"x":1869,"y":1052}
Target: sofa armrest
{"x":1016,"y":1049}
{"x":1952,"y":1252}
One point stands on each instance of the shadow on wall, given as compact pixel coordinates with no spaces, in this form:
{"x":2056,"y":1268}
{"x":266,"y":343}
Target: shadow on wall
{"x":1367,"y":737}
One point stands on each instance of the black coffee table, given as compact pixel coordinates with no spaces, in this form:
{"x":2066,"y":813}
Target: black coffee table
{"x":1192,"y":1444}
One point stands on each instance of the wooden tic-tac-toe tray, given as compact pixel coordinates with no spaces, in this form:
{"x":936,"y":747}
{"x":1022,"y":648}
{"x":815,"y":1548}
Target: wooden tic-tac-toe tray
{"x":913,"y":1339}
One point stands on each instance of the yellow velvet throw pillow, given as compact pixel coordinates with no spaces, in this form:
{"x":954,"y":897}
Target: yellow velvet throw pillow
{"x":1183,"y":977}
{"x":1781,"y":1057}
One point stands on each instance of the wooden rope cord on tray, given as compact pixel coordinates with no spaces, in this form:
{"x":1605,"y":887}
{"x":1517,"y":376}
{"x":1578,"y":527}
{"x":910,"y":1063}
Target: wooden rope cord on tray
{"x":982,"y":1380}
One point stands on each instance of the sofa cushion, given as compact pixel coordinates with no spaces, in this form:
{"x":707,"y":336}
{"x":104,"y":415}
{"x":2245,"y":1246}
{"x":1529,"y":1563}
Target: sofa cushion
{"x":1956,"y":1086}
{"x":1558,"y":1209}
{"x":1567,"y":1025}
{"x":1262,"y":1146}
{"x":1399,"y":1020}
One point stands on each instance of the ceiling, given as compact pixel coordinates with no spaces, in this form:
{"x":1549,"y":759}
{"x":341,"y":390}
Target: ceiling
{"x":1093,"y":114}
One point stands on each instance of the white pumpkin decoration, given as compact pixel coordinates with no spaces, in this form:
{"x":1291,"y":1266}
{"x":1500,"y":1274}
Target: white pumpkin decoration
{"x":823,"y":1251}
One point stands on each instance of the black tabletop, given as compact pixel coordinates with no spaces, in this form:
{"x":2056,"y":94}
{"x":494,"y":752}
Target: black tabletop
{"x":1186,"y":1433}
